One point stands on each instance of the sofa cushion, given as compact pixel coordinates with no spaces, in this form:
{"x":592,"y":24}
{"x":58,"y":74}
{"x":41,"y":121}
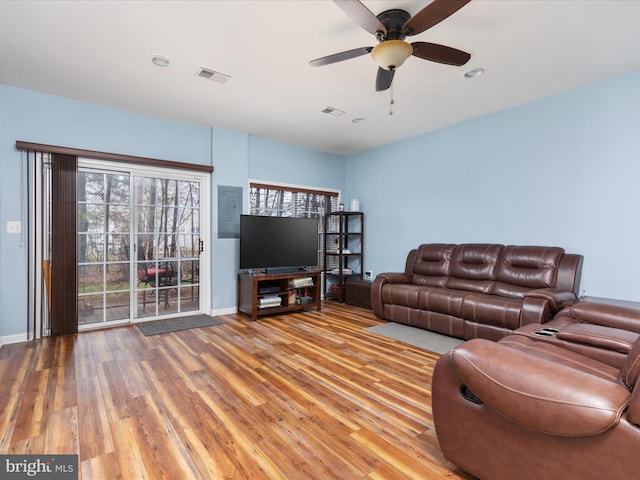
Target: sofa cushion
{"x":442,"y":300}
{"x":473,"y":267}
{"x":492,"y":310}
{"x":432,"y":264}
{"x":522,"y":268}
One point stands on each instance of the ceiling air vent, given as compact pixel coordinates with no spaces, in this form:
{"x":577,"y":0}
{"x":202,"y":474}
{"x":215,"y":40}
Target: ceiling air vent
{"x":213,"y":75}
{"x":333,"y":111}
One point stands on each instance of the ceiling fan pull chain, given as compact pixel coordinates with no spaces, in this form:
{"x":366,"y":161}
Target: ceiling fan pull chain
{"x":391,"y":101}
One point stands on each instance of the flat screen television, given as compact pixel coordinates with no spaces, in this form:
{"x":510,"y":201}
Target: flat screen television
{"x":278,"y":244}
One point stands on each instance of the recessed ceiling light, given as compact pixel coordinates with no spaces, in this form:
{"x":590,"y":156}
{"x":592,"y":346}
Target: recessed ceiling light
{"x":160,"y":61}
{"x":474,"y":72}
{"x":359,"y":120}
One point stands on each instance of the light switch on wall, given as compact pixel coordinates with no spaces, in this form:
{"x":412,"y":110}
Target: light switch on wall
{"x":14,"y":227}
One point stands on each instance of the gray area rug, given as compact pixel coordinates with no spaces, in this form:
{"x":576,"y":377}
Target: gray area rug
{"x":177,"y":324}
{"x":418,"y":337}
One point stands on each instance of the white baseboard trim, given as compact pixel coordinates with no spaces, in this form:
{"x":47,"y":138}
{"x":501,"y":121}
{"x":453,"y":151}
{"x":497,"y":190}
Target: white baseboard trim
{"x":17,"y":338}
{"x":224,"y":311}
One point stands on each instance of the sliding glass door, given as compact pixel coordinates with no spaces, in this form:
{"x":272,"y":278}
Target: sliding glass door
{"x":140,"y":245}
{"x":167,"y":245}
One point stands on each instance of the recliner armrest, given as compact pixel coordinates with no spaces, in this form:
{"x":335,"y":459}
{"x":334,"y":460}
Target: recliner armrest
{"x":599,"y":336}
{"x":557,"y":297}
{"x":539,"y":394}
{"x":608,"y":315}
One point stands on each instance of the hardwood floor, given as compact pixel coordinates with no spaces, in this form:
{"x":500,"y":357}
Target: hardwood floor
{"x":300,"y":396}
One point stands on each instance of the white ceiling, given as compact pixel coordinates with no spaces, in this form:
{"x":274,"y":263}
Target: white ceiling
{"x":100,"y":52}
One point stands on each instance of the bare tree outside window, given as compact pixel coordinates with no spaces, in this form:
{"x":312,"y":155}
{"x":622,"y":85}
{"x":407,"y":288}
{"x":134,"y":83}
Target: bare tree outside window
{"x":279,"y":201}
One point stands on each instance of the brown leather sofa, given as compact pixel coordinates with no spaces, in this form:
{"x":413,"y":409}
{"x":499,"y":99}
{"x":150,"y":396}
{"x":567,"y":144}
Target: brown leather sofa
{"x":532,"y":407}
{"x":478,"y":290}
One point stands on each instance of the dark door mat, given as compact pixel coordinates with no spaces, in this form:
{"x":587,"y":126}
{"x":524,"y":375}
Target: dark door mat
{"x":177,"y":324}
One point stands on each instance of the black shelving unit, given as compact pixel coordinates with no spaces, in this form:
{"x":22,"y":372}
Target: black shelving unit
{"x":343,"y":251}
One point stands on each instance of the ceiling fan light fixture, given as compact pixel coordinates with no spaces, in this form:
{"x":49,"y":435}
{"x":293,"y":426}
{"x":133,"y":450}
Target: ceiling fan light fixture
{"x":392,"y":53}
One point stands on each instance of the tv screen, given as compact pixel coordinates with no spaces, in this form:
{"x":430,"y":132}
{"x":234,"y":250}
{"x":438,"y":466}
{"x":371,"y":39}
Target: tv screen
{"x":278,"y":242}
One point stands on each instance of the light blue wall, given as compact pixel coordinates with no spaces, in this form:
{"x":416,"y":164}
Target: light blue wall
{"x":231,"y":160}
{"x":289,"y":164}
{"x":561,"y":171}
{"x":39,"y":118}
{"x":46,"y":119}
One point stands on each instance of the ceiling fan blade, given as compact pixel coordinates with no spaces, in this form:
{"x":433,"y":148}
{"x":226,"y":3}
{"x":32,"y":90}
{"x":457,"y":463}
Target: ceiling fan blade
{"x":440,"y":53}
{"x":431,"y":15}
{"x":384,"y":79}
{"x":360,"y":14}
{"x":339,"y":57}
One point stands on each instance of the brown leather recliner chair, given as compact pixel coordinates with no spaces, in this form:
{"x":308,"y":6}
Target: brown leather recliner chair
{"x":529,"y":409}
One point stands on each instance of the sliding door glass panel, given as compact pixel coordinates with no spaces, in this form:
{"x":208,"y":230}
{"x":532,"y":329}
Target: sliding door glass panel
{"x":167,"y":228}
{"x":104,"y":288}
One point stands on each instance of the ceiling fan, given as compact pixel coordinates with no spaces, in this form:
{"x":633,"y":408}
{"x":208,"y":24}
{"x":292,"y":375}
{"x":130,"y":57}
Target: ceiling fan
{"x":391,"y":27}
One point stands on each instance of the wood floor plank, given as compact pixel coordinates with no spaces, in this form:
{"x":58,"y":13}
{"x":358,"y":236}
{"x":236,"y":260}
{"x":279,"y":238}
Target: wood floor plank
{"x":396,"y":456}
{"x":114,"y":391}
{"x":101,"y":466}
{"x":63,"y":380}
{"x":132,"y":374}
{"x":164,"y":454}
{"x":306,"y":396}
{"x":62,"y":431}
{"x":85,"y":361}
{"x":248,"y":446}
{"x":94,"y":428}
{"x":129,"y":452}
{"x":31,"y":417}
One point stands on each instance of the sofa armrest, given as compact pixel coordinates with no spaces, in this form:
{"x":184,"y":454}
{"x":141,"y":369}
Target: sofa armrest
{"x":381,"y":280}
{"x":558,"y":298}
{"x":535,"y":310}
{"x":393,"y":277}
{"x":537,"y":393}
{"x":605,"y":314}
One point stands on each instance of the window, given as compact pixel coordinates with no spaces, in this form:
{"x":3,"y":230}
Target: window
{"x":284,"y":201}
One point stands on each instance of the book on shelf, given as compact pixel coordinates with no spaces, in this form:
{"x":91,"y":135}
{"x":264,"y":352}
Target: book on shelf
{"x":301,"y":282}
{"x":269,"y":305}
{"x":269,"y":301}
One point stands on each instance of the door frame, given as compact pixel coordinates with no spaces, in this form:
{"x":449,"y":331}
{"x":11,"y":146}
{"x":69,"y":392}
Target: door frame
{"x":38,"y":240}
{"x":205,"y":229}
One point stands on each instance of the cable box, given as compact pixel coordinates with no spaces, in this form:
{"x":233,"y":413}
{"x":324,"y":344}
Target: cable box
{"x":271,"y":289}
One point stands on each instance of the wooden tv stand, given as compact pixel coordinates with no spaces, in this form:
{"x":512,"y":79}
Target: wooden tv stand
{"x":266,"y":294}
